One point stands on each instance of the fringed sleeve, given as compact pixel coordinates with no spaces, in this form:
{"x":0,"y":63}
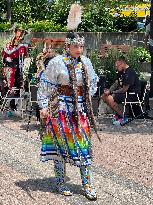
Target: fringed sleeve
{"x":48,"y":83}
{"x":92,"y":76}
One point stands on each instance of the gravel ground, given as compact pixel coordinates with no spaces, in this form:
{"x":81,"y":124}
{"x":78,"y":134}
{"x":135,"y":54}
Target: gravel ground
{"x":122,"y":166}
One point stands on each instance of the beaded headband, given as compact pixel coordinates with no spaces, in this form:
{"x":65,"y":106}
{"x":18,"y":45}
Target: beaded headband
{"x":79,"y":40}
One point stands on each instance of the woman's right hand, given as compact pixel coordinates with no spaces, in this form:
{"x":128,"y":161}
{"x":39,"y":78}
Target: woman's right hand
{"x":43,"y":113}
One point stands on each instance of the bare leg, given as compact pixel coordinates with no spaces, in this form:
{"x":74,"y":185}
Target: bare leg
{"x":108,"y":99}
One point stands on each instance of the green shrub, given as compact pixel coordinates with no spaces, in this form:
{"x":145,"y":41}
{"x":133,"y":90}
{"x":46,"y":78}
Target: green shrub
{"x":4,"y":27}
{"x":133,"y":60}
{"x":38,"y":26}
{"x":143,"y":54}
{"x":21,"y":11}
{"x":125,"y":23}
{"x":96,"y":18}
{"x":96,"y":61}
{"x":108,"y":63}
{"x":105,"y":66}
{"x":44,"y":26}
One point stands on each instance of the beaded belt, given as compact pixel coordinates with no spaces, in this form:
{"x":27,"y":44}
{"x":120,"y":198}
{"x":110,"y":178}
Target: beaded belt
{"x":68,"y":91}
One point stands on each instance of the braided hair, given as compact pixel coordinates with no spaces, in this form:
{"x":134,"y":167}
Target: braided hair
{"x":73,"y":82}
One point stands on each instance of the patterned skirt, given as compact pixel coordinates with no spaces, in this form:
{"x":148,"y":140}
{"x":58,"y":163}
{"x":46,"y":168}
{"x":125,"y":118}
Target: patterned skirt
{"x":64,"y":139}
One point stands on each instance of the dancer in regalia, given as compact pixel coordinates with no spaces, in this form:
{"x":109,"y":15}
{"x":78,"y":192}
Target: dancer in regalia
{"x":13,"y":60}
{"x":65,"y":100}
{"x":43,"y":59}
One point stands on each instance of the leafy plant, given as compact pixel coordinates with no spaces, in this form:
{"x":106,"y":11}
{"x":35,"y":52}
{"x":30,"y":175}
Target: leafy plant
{"x":125,"y":23}
{"x":108,"y":63}
{"x":33,"y":53}
{"x":104,"y":66}
{"x":5,"y":26}
{"x":96,"y":15}
{"x":21,"y":11}
{"x":3,"y":8}
{"x":96,"y":61}
{"x":44,"y":26}
{"x":96,"y":18}
{"x":143,"y":54}
{"x":59,"y":11}
{"x":40,"y":10}
{"x":133,"y":60}
{"x":30,"y":67}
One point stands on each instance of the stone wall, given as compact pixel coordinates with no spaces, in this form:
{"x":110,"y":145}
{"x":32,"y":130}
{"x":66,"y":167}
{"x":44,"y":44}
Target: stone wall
{"x":93,"y":39}
{"x":96,"y":39}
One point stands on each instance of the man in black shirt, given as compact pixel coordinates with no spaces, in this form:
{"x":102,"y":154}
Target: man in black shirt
{"x":127,"y":81}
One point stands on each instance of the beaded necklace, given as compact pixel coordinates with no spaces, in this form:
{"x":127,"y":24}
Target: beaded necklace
{"x":74,"y":61}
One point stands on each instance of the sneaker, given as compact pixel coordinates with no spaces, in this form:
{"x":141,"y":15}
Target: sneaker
{"x":124,"y":120}
{"x":62,"y":189}
{"x":115,"y":118}
{"x":121,"y":121}
{"x":89,"y":192}
{"x":9,"y":114}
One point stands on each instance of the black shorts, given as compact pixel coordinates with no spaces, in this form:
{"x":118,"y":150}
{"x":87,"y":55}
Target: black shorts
{"x":120,"y":97}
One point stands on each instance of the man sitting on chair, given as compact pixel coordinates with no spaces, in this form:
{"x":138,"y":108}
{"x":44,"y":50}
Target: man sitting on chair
{"x":127,"y":81}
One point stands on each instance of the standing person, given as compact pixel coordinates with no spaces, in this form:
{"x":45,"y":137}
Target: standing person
{"x":70,"y":83}
{"x":13,"y":60}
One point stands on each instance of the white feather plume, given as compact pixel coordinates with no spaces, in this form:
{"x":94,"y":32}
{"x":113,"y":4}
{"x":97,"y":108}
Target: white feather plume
{"x":74,"y":17}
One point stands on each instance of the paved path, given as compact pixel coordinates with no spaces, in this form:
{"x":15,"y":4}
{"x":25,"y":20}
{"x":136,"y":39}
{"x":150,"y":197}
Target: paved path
{"x":122,"y":167}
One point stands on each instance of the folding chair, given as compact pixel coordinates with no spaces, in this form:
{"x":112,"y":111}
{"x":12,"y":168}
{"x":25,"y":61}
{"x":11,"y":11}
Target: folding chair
{"x":139,"y":101}
{"x":10,"y":96}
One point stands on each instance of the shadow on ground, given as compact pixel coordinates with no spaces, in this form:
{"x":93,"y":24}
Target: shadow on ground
{"x":31,"y":127}
{"x":45,"y":185}
{"x":4,"y":118}
{"x":141,"y":126}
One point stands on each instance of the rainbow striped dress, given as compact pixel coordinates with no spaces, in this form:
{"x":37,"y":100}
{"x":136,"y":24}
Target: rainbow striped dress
{"x":64,"y":139}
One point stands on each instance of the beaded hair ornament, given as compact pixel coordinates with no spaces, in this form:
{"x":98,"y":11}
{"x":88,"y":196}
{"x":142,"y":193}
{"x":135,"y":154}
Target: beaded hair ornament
{"x":74,"y":19}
